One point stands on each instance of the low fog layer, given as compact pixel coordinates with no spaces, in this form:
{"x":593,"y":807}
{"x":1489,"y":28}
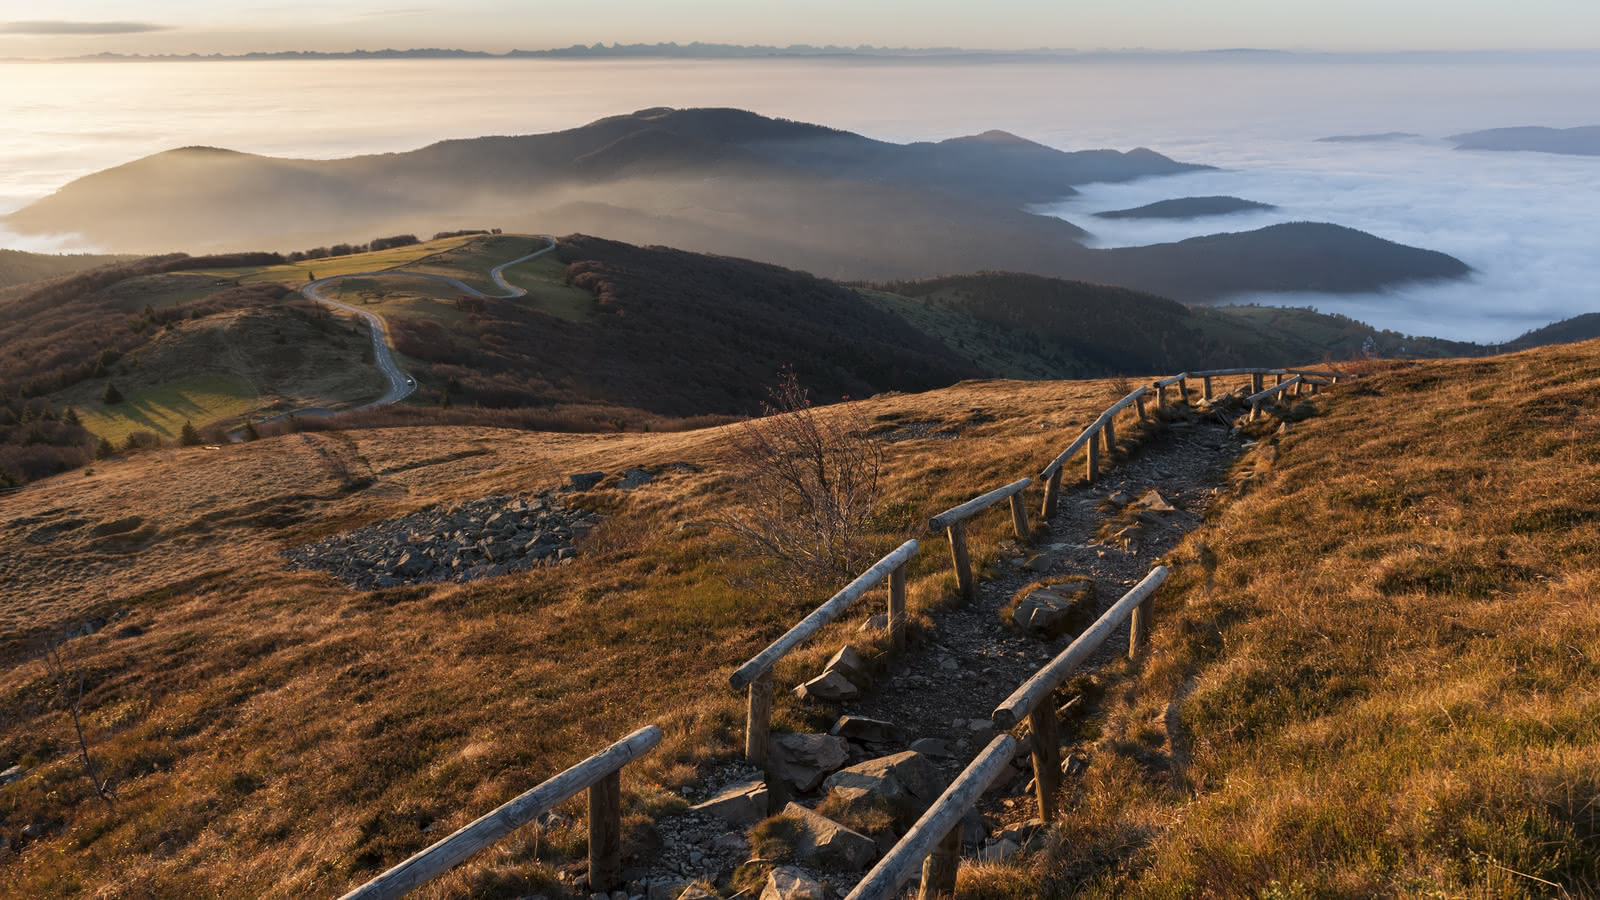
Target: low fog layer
{"x":1515,"y":223}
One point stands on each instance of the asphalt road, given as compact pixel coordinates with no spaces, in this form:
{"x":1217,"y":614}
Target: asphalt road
{"x":401,"y":385}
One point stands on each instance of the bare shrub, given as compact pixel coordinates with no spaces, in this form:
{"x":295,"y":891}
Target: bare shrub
{"x":810,"y":484}
{"x":69,"y":688}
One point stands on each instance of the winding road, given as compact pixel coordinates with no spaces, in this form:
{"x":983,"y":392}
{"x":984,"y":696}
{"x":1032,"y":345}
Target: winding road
{"x":401,"y":385}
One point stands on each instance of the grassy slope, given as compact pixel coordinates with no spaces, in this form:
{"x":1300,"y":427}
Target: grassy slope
{"x":274,"y":734}
{"x":295,"y":274}
{"x":1382,"y":660}
{"x":224,"y":368}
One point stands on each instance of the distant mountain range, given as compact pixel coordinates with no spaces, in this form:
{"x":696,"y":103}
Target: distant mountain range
{"x":725,"y":181}
{"x":1186,"y":208}
{"x":1583,"y":141}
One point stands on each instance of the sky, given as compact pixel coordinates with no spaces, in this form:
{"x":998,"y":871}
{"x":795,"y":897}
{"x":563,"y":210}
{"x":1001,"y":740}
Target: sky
{"x":77,"y":27}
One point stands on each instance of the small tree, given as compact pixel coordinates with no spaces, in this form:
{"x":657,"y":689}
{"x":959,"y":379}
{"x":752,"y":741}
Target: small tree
{"x":112,"y":395}
{"x":104,"y":450}
{"x":811,"y":485}
{"x":189,"y":437}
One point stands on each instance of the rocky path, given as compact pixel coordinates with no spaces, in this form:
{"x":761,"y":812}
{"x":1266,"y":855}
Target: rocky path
{"x":940,"y":693}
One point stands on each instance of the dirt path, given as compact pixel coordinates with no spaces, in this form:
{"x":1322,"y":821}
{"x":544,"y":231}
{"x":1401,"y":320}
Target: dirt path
{"x":947,"y":686}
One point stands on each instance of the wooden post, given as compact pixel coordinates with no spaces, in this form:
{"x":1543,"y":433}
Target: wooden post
{"x":1019,"y":516}
{"x":1280,"y":379}
{"x":1208,"y":387}
{"x":939,"y":869}
{"x":605,"y":833}
{"x":1052,"y":494}
{"x":963,"y":563}
{"x":1139,"y":628}
{"x":897,"y":607}
{"x":1046,"y":730}
{"x":1183,"y":390}
{"x":758,"y":719}
{"x":1316,"y":387}
{"x":1094,"y":460}
{"x":1161,"y":395}
{"x":1256,"y":382}
{"x":1110,"y":432}
{"x":1140,"y":402}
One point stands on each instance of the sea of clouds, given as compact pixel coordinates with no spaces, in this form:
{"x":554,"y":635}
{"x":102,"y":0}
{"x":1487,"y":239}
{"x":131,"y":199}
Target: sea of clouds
{"x":1523,"y":221}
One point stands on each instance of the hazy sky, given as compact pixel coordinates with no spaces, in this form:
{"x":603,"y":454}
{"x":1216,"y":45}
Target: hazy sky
{"x":72,"y":27}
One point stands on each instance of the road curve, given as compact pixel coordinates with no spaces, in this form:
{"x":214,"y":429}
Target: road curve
{"x":401,"y":385}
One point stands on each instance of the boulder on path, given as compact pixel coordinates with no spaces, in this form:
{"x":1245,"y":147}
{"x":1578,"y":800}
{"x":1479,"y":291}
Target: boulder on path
{"x":908,"y":781}
{"x":741,"y":803}
{"x":847,"y":662}
{"x":933,"y":747}
{"x":826,"y":842}
{"x":829,"y":687}
{"x":1153,"y":501}
{"x":1051,"y":610}
{"x":789,"y":883}
{"x":867,"y":731}
{"x":803,"y":759}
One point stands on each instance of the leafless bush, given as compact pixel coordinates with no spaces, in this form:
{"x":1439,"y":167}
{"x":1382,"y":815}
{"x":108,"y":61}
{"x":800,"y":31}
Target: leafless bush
{"x":810,"y":483}
{"x":69,"y":688}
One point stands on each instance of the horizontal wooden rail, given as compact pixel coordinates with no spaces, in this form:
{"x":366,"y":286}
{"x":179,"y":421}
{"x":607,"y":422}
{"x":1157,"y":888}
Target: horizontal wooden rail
{"x":1218,"y":373}
{"x":976,"y":505}
{"x":1093,"y":429}
{"x":1036,"y":689}
{"x":1256,"y":399}
{"x":934,"y":829}
{"x":1168,"y":382}
{"x":597,"y":773}
{"x":823,"y":614}
{"x":1315,"y":373}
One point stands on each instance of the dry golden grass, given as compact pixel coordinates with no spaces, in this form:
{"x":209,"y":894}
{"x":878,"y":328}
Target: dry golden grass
{"x":1377,"y":671}
{"x":275,"y":734}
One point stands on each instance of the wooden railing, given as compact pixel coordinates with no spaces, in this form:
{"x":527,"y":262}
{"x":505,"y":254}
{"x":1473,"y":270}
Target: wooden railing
{"x":934,"y":842}
{"x":1258,"y":377}
{"x":600,"y":774}
{"x":954,"y":523}
{"x":1106,"y":426}
{"x":1030,"y":698}
{"x":757,"y":673}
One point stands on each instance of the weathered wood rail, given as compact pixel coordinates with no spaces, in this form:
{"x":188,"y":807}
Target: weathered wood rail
{"x":954,"y":522}
{"x":1105,"y":426}
{"x":1031,"y":698}
{"x":934,"y":842}
{"x":1258,"y":377}
{"x":756,"y":674}
{"x":600,"y":774}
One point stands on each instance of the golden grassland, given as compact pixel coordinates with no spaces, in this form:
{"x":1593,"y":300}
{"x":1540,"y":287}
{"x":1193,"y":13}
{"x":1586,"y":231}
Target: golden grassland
{"x":222,"y":369}
{"x":298,"y":273}
{"x":276,"y":734}
{"x":1377,"y":671}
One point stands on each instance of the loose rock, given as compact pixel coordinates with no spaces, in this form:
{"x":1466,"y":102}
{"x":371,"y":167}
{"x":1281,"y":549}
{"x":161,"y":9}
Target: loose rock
{"x":826,"y":841}
{"x":805,"y":758}
{"x":829,"y":687}
{"x":789,"y":883}
{"x":741,"y":803}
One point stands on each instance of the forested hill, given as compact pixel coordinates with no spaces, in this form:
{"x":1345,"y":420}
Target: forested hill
{"x":18,"y":267}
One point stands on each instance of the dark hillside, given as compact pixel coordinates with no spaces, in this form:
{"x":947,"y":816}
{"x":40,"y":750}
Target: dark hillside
{"x":1578,"y":328}
{"x":1295,"y":256}
{"x":17,"y":267}
{"x":1186,"y":208}
{"x":680,"y":334}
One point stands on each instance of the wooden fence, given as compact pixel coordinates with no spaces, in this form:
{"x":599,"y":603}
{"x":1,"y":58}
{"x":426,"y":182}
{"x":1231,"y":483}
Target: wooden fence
{"x":757,"y":673}
{"x":600,"y":774}
{"x":934,"y":842}
{"x":954,"y":522}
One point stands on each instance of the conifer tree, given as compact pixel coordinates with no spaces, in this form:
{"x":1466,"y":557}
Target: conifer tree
{"x":104,"y":450}
{"x":189,"y":437}
{"x":112,"y":395}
